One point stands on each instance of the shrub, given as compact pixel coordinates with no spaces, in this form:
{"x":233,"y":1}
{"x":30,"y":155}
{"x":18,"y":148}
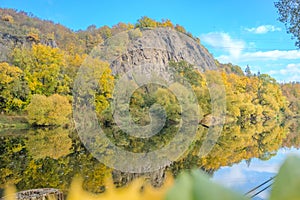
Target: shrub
{"x":48,"y":111}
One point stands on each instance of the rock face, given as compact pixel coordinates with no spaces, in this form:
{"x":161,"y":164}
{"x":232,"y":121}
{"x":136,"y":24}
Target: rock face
{"x":8,"y":42}
{"x":156,"y":47}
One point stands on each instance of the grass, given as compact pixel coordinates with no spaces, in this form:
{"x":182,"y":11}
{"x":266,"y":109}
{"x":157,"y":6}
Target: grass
{"x":13,"y":122}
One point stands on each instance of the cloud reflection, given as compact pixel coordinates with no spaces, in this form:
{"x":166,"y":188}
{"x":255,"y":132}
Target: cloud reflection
{"x":242,"y":177}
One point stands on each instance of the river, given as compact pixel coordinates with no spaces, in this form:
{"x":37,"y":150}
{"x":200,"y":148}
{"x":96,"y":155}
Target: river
{"x":242,"y":157}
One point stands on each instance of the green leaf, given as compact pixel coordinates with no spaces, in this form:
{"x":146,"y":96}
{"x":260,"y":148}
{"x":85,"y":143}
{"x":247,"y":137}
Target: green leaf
{"x":287,"y":182}
{"x":197,"y":185}
{"x":183,"y":188}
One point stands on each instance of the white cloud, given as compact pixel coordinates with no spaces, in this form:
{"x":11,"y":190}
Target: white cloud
{"x":235,"y":174}
{"x":223,"y":40}
{"x":261,"y":56}
{"x":291,"y":70}
{"x":237,"y":51}
{"x":263,"y":29}
{"x":263,"y":167}
{"x":234,"y":49}
{"x":271,"y":55}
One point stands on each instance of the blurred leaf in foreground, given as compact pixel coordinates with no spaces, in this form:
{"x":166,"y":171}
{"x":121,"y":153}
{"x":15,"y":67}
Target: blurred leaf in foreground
{"x":287,"y":182}
{"x":196,"y":185}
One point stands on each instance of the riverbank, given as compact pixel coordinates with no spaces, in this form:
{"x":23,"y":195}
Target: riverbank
{"x":13,"y":121}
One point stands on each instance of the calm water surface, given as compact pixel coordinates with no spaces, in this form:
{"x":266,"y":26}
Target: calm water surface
{"x":246,"y":175}
{"x":243,"y":157}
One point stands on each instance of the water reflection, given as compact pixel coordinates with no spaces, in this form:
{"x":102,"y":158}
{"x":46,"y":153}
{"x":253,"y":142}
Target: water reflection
{"x":242,"y":177}
{"x":52,"y":157}
{"x":246,"y":175}
{"x":52,"y":143}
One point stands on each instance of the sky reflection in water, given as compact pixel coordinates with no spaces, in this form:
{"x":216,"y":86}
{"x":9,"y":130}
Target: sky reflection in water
{"x":242,"y":177}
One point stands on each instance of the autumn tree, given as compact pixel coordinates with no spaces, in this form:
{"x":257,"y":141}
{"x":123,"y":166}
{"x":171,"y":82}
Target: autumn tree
{"x":180,"y":28}
{"x":105,"y":32}
{"x":48,"y":111}
{"x":120,"y":27}
{"x":292,"y":92}
{"x":95,"y":82}
{"x":43,"y":67}
{"x":170,"y":103}
{"x":146,"y":22}
{"x":8,"y":18}
{"x":166,"y":23}
{"x":53,"y":143}
{"x":13,"y":88}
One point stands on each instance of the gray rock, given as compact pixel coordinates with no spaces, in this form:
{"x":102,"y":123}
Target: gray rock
{"x":155,"y":47}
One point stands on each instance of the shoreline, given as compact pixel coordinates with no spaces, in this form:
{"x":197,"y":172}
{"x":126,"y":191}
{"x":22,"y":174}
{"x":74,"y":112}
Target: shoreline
{"x":13,"y":122}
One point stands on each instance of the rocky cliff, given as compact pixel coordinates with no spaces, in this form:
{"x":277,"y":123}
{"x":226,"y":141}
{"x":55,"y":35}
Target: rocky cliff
{"x":9,"y":41}
{"x":154,"y":47}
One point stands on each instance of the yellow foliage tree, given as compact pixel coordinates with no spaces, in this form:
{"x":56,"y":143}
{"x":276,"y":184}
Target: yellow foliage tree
{"x":146,"y":22}
{"x":43,"y":67}
{"x":48,"y":111}
{"x":13,"y":91}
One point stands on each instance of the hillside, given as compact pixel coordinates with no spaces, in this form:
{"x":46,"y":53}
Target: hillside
{"x":39,"y":62}
{"x":22,"y":29}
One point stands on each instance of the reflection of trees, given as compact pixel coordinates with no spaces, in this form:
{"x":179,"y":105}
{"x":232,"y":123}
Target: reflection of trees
{"x":53,"y":143}
{"x":12,"y":157}
{"x":293,"y":138}
{"x":237,"y":143}
{"x":49,"y":158}
{"x":54,"y":167}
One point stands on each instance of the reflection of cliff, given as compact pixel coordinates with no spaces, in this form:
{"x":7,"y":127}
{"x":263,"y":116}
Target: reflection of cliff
{"x":156,"y":178}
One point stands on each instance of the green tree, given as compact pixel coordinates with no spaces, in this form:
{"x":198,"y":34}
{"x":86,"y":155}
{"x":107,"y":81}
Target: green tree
{"x":248,"y":71}
{"x":289,"y":14}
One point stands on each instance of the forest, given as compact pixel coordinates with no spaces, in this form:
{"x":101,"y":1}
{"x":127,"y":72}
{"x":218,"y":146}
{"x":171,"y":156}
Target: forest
{"x":41,"y":60}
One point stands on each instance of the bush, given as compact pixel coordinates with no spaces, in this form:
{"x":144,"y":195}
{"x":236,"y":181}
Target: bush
{"x":48,"y":111}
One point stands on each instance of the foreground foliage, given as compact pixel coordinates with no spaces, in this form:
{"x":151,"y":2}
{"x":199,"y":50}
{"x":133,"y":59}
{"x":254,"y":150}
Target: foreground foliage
{"x":195,"y":185}
{"x":189,"y":186}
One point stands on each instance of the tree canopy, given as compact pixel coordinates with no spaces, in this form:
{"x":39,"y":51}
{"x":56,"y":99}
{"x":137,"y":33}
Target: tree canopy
{"x":289,"y":14}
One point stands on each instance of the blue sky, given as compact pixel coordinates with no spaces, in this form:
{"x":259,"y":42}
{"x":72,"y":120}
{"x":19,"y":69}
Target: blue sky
{"x":236,"y":31}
